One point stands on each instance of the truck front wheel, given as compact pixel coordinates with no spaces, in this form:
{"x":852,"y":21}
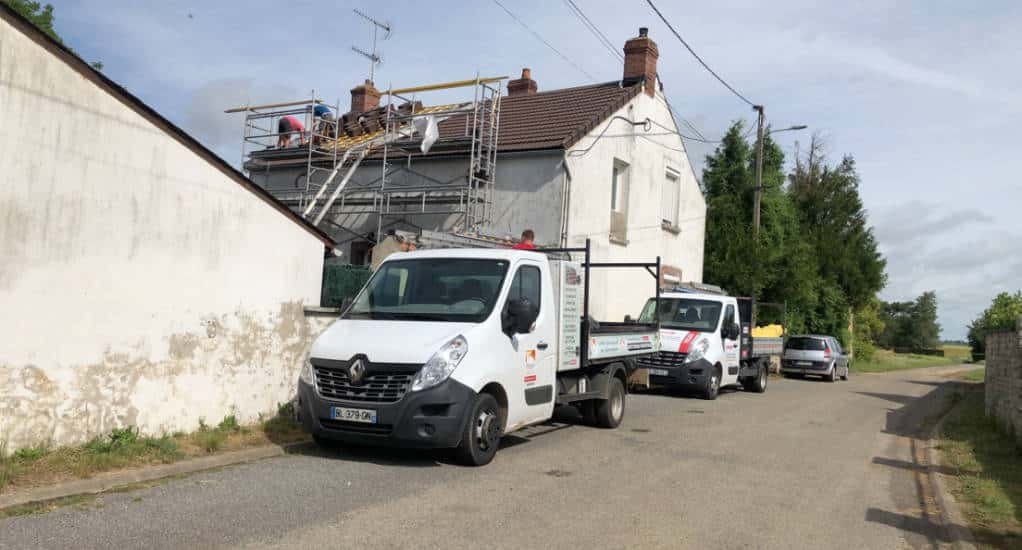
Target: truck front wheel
{"x":712,"y":387}
{"x":611,"y":410}
{"x":482,"y":433}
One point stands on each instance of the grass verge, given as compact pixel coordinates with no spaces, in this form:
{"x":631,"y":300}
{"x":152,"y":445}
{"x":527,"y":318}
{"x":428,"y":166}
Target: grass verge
{"x":126,"y":448}
{"x":988,"y":478}
{"x":974,"y":375}
{"x":885,"y":361}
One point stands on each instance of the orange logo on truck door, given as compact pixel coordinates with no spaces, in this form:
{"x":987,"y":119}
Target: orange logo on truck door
{"x":530,"y":358}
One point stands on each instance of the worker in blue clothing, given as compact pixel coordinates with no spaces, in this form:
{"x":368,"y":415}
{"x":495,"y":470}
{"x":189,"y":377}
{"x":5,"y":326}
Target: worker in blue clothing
{"x":324,"y":123}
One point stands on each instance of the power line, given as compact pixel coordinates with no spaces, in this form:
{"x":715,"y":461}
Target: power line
{"x":541,"y":39}
{"x":695,"y":55}
{"x":594,"y":29}
{"x":588,"y":23}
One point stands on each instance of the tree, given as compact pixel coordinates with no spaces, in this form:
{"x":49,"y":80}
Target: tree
{"x":41,"y":15}
{"x":1002,"y":314}
{"x":910,"y":325}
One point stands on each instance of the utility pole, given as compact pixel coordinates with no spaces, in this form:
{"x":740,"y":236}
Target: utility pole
{"x":759,"y":172}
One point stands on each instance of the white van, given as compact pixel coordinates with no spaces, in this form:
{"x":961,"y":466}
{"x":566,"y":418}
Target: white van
{"x":453,"y":348}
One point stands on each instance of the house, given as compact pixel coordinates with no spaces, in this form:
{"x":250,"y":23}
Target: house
{"x":144,"y":281}
{"x":601,"y":162}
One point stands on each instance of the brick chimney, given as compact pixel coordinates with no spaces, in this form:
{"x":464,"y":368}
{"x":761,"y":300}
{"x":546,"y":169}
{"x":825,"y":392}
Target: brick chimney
{"x":522,"y":86}
{"x":641,"y":54}
{"x":364,"y":97}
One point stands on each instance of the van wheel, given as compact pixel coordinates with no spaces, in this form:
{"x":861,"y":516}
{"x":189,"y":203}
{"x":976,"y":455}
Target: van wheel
{"x":712,"y":387}
{"x":611,"y":410}
{"x":482,"y":433}
{"x":757,"y":383}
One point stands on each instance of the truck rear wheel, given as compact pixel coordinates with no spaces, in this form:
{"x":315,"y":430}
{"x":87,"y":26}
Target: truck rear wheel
{"x":757,"y":383}
{"x":481,"y":438}
{"x":610,"y":411}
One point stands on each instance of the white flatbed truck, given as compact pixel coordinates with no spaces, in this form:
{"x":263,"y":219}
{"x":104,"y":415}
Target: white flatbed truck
{"x":454,"y":348}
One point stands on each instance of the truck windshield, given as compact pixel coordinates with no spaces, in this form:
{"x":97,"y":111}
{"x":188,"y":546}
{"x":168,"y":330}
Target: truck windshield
{"x":431,"y":289}
{"x":684,"y":313}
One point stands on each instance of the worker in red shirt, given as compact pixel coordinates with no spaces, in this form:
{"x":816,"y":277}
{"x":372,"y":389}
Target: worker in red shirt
{"x":526,"y":242}
{"x":285,"y":127}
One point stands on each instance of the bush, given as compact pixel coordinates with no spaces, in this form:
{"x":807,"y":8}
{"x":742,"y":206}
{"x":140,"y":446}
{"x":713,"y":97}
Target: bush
{"x":229,"y":424}
{"x":864,"y":350}
{"x":29,"y":454}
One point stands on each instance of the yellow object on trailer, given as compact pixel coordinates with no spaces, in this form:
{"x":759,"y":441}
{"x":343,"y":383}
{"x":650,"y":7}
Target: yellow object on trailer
{"x":768,"y":331}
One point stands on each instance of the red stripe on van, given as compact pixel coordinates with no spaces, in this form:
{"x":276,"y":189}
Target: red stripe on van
{"x":686,"y":342}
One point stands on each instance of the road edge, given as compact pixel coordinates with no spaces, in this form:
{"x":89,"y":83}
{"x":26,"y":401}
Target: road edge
{"x":955,"y":525}
{"x":112,"y":480}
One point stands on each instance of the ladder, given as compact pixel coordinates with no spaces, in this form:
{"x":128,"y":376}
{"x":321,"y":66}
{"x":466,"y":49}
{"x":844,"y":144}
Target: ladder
{"x":349,"y":163}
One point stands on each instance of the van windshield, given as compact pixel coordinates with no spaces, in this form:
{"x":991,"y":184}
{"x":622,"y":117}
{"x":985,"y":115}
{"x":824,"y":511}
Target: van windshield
{"x":684,"y":313}
{"x":431,"y":289}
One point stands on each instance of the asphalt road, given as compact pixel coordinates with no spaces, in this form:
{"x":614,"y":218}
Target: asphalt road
{"x":806,"y":465}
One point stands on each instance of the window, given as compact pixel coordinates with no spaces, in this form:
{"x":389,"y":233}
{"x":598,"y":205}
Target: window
{"x":804,"y":343}
{"x":670,"y":199}
{"x":526,"y":284}
{"x":684,"y":314}
{"x":729,"y":316}
{"x":619,"y":201}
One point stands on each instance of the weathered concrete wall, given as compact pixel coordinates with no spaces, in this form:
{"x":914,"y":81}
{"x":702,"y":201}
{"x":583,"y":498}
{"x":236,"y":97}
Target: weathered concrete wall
{"x":1003,"y":378}
{"x":139,"y":283}
{"x":620,"y":292}
{"x":528,"y":194}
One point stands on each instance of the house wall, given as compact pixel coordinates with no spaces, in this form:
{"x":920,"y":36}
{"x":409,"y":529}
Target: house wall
{"x":140,"y":284}
{"x":1003,"y":378}
{"x":619,"y":292}
{"x":528,"y":194}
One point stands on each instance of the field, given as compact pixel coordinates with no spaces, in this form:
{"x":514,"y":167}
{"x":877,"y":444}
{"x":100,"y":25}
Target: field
{"x":886,"y":360}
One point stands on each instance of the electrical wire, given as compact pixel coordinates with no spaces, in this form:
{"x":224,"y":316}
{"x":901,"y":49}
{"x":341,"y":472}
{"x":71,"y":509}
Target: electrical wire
{"x":594,"y":29}
{"x":541,"y":39}
{"x":695,"y":55}
{"x":602,"y":38}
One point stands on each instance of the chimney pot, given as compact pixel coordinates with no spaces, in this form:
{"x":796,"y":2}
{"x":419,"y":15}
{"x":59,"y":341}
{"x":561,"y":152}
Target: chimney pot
{"x":641,"y":55}
{"x":522,"y":86}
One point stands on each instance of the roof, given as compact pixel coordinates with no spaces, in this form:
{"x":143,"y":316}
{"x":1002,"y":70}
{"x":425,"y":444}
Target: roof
{"x":555,"y":119}
{"x":155,"y":118}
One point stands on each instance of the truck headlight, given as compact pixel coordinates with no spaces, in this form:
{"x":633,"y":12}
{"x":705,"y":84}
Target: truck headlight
{"x":441,"y":365}
{"x":697,"y":350}
{"x":307,"y":375}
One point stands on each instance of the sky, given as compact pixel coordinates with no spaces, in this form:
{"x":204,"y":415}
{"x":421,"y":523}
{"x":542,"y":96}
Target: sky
{"x":926,"y":95}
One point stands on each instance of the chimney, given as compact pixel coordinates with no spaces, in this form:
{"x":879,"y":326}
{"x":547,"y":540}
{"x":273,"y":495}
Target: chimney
{"x":522,"y":86}
{"x":640,"y":61}
{"x":364,"y":97}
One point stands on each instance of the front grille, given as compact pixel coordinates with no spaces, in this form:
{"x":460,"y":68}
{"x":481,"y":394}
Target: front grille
{"x":382,"y":383}
{"x":663,"y":359}
{"x":356,"y":427}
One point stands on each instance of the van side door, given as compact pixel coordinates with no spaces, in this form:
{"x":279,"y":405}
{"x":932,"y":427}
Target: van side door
{"x":534,"y":381}
{"x":731,"y":344}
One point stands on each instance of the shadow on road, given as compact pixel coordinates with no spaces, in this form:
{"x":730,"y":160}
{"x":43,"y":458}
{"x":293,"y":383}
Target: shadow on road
{"x":918,"y":516}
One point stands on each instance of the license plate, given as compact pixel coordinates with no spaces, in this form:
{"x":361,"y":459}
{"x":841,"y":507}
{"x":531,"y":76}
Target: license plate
{"x":367,"y":416}
{"x":659,"y":372}
{"x":804,"y":363}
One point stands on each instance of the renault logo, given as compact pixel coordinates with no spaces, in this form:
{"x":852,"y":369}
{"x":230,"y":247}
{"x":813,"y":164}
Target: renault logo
{"x":357,"y":371}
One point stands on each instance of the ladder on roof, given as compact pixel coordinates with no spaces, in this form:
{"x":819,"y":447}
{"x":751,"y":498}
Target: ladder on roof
{"x":349,"y":163}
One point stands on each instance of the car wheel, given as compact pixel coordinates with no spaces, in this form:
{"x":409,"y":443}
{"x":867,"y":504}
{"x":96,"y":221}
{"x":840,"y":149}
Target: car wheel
{"x":848,"y":372}
{"x":712,"y":387}
{"x":610,"y":411}
{"x":832,"y":377}
{"x":482,"y":433}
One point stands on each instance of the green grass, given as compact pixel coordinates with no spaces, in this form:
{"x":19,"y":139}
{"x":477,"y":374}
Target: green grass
{"x":886,"y":361}
{"x":974,"y":375}
{"x":45,"y":506}
{"x":125,"y":448}
{"x":988,"y":482}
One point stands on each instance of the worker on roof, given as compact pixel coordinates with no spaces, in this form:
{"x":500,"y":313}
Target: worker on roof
{"x":325,"y":124}
{"x":285,"y":127}
{"x":526,"y":243}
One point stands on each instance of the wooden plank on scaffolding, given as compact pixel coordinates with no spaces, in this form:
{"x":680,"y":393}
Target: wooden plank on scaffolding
{"x":446,"y":85}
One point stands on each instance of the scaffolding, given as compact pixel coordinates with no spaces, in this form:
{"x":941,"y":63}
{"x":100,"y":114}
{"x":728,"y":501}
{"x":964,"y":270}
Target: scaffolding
{"x":333,"y":150}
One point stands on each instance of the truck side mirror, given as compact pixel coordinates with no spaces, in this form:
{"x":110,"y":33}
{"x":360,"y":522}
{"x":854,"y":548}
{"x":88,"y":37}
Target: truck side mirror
{"x":628,"y":319}
{"x":518,"y":316}
{"x":734,"y":332}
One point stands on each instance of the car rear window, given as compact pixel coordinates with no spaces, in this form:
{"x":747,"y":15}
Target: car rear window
{"x":810,"y":344}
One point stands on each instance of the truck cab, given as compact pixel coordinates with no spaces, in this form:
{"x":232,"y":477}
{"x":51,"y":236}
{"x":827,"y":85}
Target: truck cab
{"x":455,"y":347}
{"x":705,"y":343}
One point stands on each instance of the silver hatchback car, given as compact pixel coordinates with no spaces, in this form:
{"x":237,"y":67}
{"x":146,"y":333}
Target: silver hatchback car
{"x":814,"y":355}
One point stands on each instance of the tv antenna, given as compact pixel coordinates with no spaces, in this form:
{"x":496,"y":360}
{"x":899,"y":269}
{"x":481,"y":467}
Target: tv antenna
{"x":373,"y":56}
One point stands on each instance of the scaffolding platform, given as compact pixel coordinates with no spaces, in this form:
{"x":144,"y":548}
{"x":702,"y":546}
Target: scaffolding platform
{"x":332,"y":151}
